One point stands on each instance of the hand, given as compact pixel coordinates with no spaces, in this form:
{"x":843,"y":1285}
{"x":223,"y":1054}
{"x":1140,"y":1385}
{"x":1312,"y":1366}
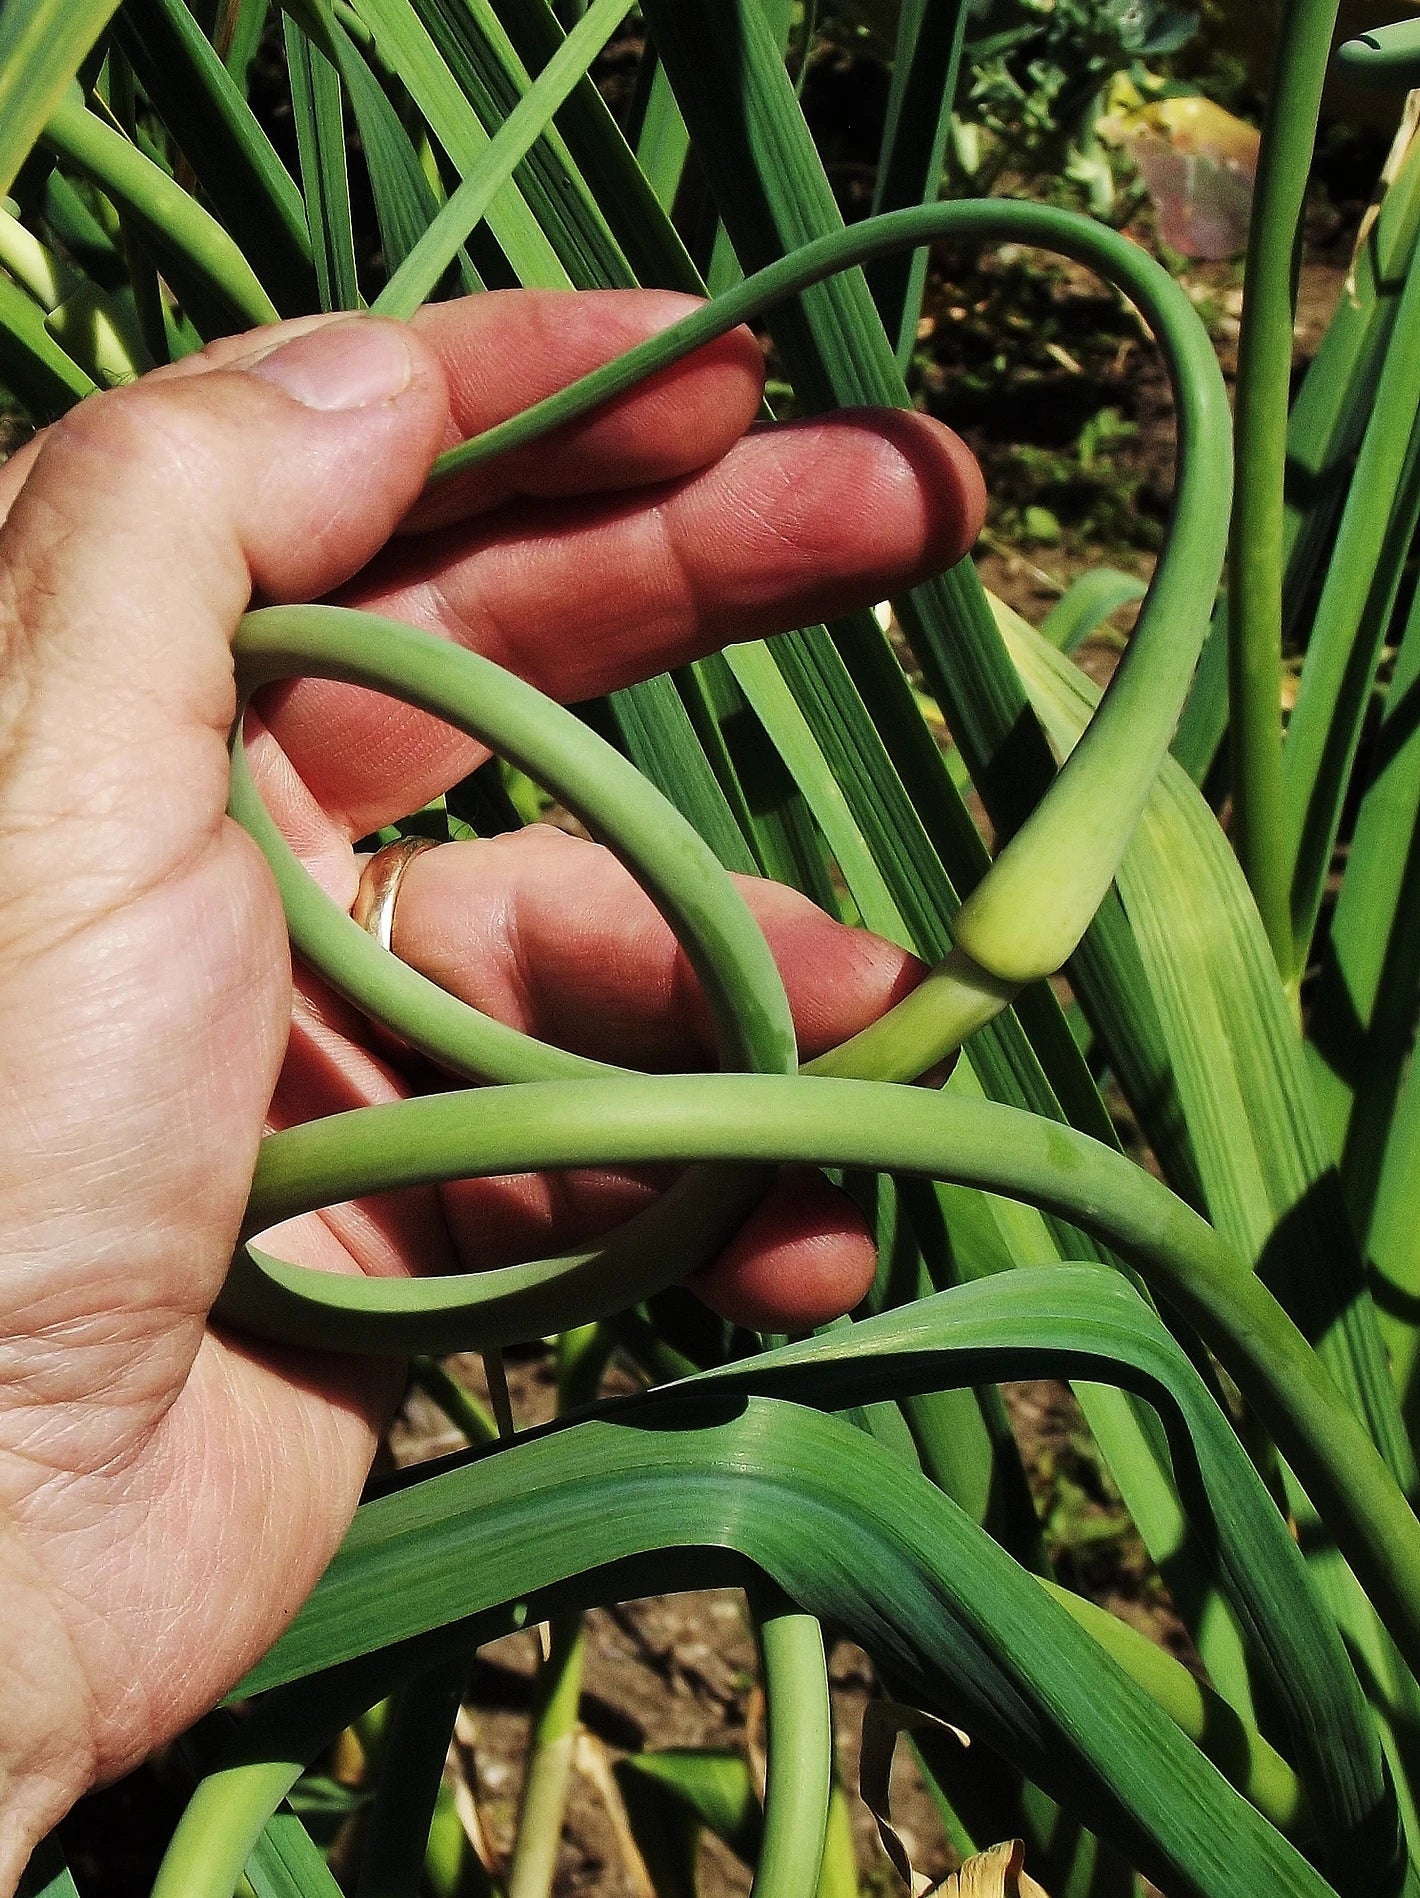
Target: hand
{"x":170,"y":1493}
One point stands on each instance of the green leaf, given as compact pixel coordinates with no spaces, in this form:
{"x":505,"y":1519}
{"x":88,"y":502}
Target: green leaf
{"x":651,"y":725}
{"x":244,"y":36}
{"x":919,"y":116}
{"x":1235,"y":1747}
{"x":206,"y":266}
{"x":1349,"y":625}
{"x":43,"y":43}
{"x":714,"y":1785}
{"x":770,"y":187}
{"x":665,"y":1829}
{"x":287,"y":1863}
{"x":405,"y":201}
{"x":316,"y":104}
{"x":600,"y":155}
{"x":953,"y":1617}
{"x":47,"y":1875}
{"x":1361,"y":1030}
{"x":525,"y":124}
{"x":44,"y":377}
{"x":662,"y":143}
{"x":788,"y":731}
{"x":250,"y":189}
{"x":485,"y":64}
{"x":1360,"y":1022}
{"x":1087,"y":604}
{"x":412,"y":1754}
{"x":1262,"y":1151}
{"x":405,"y":44}
{"x":1268,"y":1174}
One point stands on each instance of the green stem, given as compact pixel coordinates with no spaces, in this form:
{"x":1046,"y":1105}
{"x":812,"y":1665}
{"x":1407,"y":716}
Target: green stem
{"x":44,"y":377}
{"x":924,"y":1028}
{"x":1263,"y":395}
{"x":459,"y":1405}
{"x":416,"y":1745}
{"x":1025,"y":916}
{"x":799,"y":1747}
{"x":1021,"y":921}
{"x":551,"y":1748}
{"x":743,"y":987}
{"x":172,"y":221}
{"x":221,"y":1825}
{"x":1386,"y":56}
{"x":552,"y":1737}
{"x":838,"y":1875}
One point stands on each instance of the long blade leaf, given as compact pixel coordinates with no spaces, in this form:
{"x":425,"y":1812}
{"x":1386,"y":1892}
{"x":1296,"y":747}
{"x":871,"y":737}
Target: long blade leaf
{"x":42,"y":45}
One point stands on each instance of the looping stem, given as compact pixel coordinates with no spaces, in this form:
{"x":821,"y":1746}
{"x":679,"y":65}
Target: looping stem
{"x":1021,"y":922}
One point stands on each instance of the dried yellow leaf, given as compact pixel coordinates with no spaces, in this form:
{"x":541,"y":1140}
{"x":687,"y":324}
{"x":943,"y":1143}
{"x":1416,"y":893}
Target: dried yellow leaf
{"x":996,"y":1873}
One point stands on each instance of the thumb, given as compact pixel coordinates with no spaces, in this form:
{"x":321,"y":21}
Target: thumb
{"x":143,"y":967}
{"x":152,"y":514}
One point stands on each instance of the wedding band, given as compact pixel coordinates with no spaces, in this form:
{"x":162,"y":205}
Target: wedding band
{"x":380,"y":879}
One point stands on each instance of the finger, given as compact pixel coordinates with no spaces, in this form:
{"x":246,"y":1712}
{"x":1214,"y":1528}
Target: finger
{"x":228,"y":352}
{"x":793,"y":525}
{"x":551,"y":935}
{"x":803,"y":1257}
{"x":14,"y":469}
{"x":504,"y":350}
{"x":329,"y":1069}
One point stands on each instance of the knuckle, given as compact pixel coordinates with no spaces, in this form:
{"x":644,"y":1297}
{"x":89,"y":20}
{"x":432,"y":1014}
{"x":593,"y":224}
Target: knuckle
{"x":547,"y":840}
{"x":159,"y":428}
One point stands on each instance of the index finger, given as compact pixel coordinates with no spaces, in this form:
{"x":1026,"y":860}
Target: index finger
{"x":502,"y":351}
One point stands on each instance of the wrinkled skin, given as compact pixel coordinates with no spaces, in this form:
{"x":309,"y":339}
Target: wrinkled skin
{"x":171,"y":1493}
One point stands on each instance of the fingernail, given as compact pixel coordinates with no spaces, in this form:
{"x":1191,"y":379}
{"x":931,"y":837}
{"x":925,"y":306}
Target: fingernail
{"x":350,"y":365}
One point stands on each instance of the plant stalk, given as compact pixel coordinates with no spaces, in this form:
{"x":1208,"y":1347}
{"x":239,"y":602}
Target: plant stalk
{"x":1256,"y":562}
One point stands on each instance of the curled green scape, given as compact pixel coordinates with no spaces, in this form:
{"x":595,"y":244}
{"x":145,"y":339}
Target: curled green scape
{"x":1020,"y":924}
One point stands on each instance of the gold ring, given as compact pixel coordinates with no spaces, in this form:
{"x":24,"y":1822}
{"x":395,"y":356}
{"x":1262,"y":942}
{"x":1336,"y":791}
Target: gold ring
{"x":380,"y":879}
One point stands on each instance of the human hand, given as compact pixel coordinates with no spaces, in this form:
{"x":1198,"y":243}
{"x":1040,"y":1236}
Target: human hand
{"x":170,"y":1493}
